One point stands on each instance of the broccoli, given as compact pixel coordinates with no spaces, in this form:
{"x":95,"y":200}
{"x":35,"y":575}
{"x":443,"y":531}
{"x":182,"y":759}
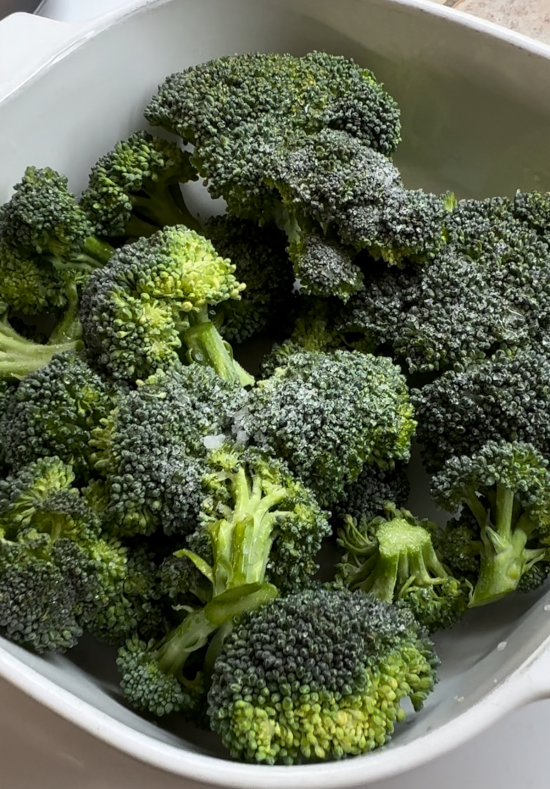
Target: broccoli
{"x":506,"y":487}
{"x":43,"y":221}
{"x":131,"y":602}
{"x":134,"y":190}
{"x":19,"y":356}
{"x":505,"y":397}
{"x":459,"y":545}
{"x":150,"y":450}
{"x":318,"y":675}
{"x":54,"y":411}
{"x":355,"y":197}
{"x":326,"y":415}
{"x":238,"y":109}
{"x":153,"y":297}
{"x":393,"y":557}
{"x":370,"y":492}
{"x":27,"y":284}
{"x":259,"y":523}
{"x":260,"y":260}
{"x":54,"y":567}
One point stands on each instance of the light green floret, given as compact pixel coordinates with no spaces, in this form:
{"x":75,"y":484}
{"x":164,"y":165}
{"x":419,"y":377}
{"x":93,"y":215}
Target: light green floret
{"x":394,"y":558}
{"x":153,"y":300}
{"x":318,"y":675}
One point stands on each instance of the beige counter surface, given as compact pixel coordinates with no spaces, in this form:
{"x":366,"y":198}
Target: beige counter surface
{"x":530,"y":17}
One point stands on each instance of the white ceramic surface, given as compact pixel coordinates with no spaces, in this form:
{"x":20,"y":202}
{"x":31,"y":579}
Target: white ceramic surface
{"x":476,"y":118}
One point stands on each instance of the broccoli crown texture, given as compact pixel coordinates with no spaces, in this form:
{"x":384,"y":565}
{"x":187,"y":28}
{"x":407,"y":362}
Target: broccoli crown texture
{"x":506,"y":397}
{"x":393,"y":557}
{"x":150,"y":450}
{"x":506,"y":487}
{"x":134,"y":310}
{"x":239,"y":108}
{"x":134,"y":190}
{"x":54,"y":411}
{"x":42,"y":217}
{"x":262,"y":264}
{"x":28,"y":284}
{"x":356,"y":193}
{"x":367,"y":496}
{"x":318,"y":675}
{"x":326,"y":415}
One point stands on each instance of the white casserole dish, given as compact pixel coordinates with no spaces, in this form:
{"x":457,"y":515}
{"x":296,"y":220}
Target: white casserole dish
{"x":475,"y":101}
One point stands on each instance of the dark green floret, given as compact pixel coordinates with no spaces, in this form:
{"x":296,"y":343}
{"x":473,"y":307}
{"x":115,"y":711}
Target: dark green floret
{"x":262,"y":264}
{"x":54,"y":411}
{"x":152,"y":302}
{"x":150,"y":450}
{"x":372,"y":490}
{"x":393,"y":557}
{"x":135,"y":189}
{"x":505,"y":398}
{"x":326,"y":415}
{"x":318,"y":675}
{"x":506,"y":487}
{"x":238,"y":109}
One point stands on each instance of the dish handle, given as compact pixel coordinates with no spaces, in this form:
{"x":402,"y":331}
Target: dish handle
{"x":27,"y":44}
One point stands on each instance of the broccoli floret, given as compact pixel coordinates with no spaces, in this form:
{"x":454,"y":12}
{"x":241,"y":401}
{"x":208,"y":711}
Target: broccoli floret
{"x":27,"y":284}
{"x":459,"y":545}
{"x":506,"y":397}
{"x":258,"y":523}
{"x":326,"y":415}
{"x":372,"y":490}
{"x":318,"y":675}
{"x":54,"y":411}
{"x":153,"y":297}
{"x":393,"y":557}
{"x":151,"y":448}
{"x":43,"y":220}
{"x":50,"y":573}
{"x":239,"y":109}
{"x":355,"y":195}
{"x":129,"y":602}
{"x":261,"y":262}
{"x":533,"y":208}
{"x":506,"y":486}
{"x":134,"y":190}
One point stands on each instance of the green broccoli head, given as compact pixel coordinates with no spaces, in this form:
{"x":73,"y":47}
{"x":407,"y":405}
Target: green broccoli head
{"x":459,"y":545}
{"x":326,"y":415}
{"x":154,"y":295}
{"x":262,"y":264}
{"x":27,"y":283}
{"x":323,"y":266}
{"x":54,"y":411}
{"x":262,"y":523}
{"x":134,"y":190}
{"x":42,"y":217}
{"x":355,"y":195}
{"x":240,"y":108}
{"x":506,"y":487}
{"x":393,"y":557}
{"x":506,"y":397}
{"x":318,"y":675}
{"x":150,"y":450}
{"x":367,"y":496}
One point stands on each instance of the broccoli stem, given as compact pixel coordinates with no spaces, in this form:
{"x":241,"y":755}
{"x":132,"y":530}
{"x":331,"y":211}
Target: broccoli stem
{"x":19,"y":357}
{"x":160,"y":205}
{"x":206,"y":346}
{"x":97,"y":250}
{"x":69,"y":328}
{"x":182,"y":641}
{"x":504,"y":557}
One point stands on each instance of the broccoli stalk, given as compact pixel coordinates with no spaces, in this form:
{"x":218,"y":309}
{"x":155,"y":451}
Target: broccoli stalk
{"x":505,"y":557}
{"x":393,"y":557}
{"x":19,"y":357}
{"x":506,"y":487}
{"x":267,"y":519}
